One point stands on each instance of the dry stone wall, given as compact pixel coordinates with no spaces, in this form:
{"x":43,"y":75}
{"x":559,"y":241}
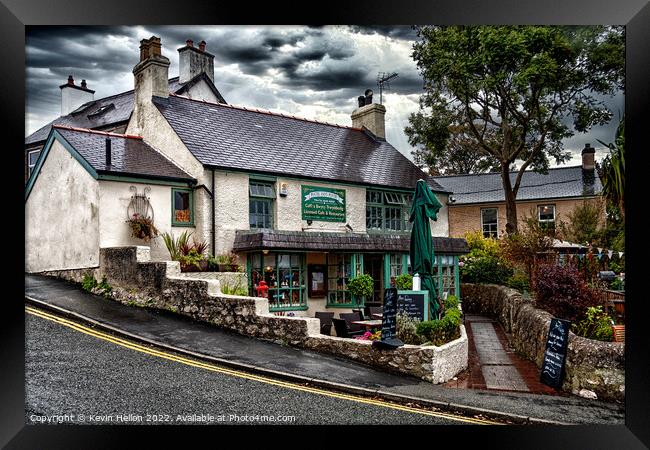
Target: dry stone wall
{"x":593,"y":368}
{"x":138,"y":281}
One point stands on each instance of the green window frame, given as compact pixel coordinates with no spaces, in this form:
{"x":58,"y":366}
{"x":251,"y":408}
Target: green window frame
{"x":341,"y":267}
{"x":446,"y":274}
{"x":32,"y":158}
{"x":387,"y":211}
{"x":285,"y":275}
{"x":261,"y":195}
{"x":185,"y":200}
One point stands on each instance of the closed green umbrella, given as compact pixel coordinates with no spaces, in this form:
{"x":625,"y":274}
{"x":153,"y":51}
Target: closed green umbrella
{"x":425,"y":206}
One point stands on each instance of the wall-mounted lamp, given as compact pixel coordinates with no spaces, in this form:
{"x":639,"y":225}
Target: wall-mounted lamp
{"x":452,"y":199}
{"x":266,"y":252}
{"x":309,"y":222}
{"x":284,"y":191}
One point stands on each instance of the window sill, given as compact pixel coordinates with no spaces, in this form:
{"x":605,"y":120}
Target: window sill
{"x":183,"y":224}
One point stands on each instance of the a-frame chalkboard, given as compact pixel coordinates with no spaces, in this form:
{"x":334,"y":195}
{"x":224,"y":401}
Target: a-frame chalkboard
{"x":555,"y":354}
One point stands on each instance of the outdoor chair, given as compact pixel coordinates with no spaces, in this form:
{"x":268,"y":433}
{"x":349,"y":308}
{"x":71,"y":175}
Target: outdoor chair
{"x":325,"y":322}
{"x":376,"y":310}
{"x":342,"y":329}
{"x":351,"y":317}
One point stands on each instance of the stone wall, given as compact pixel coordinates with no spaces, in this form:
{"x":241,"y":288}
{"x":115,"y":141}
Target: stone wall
{"x":592,"y":367}
{"x":139,"y":282}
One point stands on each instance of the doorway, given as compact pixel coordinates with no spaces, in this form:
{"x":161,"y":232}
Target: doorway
{"x":373,"y":265}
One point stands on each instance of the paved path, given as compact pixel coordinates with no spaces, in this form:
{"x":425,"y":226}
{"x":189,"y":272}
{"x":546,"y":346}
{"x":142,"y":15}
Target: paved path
{"x":199,"y":338}
{"x":494,"y":365}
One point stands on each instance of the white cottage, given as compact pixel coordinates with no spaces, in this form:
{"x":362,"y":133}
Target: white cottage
{"x":306,"y":205}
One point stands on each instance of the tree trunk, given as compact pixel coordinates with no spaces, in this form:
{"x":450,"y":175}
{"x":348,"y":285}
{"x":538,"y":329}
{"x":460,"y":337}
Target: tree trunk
{"x":511,"y":206}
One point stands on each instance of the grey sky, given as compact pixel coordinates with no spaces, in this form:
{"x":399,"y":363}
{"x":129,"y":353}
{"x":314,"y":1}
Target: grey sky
{"x":312,"y":72}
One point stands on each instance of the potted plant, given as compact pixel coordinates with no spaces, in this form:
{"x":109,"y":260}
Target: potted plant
{"x":142,"y":227}
{"x":361,"y":287}
{"x":227,"y":262}
{"x":404,"y":282}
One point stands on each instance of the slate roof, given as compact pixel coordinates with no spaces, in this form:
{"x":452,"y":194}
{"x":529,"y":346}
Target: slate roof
{"x":561,"y":182}
{"x":302,"y":240}
{"x":130,"y":155}
{"x":229,"y":137}
{"x":105,"y":111}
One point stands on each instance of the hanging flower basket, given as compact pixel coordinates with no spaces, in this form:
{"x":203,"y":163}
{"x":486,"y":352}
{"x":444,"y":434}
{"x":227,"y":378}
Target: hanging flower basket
{"x":142,"y":227}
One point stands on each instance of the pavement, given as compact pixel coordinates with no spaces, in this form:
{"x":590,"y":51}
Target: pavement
{"x":494,"y":386}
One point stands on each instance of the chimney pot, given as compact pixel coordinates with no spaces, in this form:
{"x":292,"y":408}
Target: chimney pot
{"x":83,"y":84}
{"x":108,"y":151}
{"x":190,"y":43}
{"x":362,"y":101}
{"x":70,"y":80}
{"x":202,"y":46}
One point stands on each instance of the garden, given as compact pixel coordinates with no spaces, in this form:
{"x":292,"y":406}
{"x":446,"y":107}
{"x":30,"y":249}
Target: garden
{"x":575,"y":287}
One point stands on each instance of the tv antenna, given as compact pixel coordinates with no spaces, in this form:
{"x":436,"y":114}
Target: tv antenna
{"x":383,"y":79}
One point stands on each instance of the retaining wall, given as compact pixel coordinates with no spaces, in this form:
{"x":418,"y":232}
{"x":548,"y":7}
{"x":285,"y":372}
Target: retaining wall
{"x":593,"y":368}
{"x":138,"y":281}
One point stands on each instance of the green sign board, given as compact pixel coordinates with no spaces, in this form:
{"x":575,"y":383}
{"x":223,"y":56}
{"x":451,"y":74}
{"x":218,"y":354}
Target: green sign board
{"x":319,"y":203}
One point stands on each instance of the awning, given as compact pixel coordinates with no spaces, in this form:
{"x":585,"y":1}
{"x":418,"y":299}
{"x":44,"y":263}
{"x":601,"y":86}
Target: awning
{"x":246,"y":241}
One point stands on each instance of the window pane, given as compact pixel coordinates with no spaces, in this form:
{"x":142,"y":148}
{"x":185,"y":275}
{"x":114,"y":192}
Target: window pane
{"x":546,"y":212}
{"x":489,"y":222}
{"x":182,"y":207}
{"x":33,"y":156}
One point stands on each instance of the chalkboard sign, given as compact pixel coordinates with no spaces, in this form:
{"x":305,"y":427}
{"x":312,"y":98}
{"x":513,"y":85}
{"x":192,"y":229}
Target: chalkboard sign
{"x":389,"y":322}
{"x":555,"y":354}
{"x":414,"y":303}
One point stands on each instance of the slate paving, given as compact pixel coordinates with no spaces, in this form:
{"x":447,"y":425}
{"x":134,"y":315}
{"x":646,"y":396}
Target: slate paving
{"x":493,"y":364}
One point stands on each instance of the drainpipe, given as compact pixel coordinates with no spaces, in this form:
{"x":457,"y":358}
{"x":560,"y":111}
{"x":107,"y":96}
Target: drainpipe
{"x":214,"y":193}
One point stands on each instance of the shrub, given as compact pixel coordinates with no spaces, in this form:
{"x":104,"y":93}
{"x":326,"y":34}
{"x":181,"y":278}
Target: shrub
{"x":519,"y":281}
{"x":174,"y":244}
{"x":486,"y":269}
{"x":404,"y":282}
{"x":617,"y":284}
{"x":406,"y":329}
{"x":522,"y":248}
{"x":595,"y":325}
{"x":451,"y":302}
{"x":480,"y":246}
{"x":192,"y":258}
{"x":88,"y":283}
{"x":563,"y":292}
{"x":439,"y":332}
{"x":361,"y":286}
{"x":234,"y":289}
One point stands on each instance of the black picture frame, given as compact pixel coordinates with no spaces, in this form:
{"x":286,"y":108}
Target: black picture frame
{"x":15,"y":15}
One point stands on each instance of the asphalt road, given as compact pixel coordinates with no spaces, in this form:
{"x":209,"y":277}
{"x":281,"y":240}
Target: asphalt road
{"x":74,"y":377}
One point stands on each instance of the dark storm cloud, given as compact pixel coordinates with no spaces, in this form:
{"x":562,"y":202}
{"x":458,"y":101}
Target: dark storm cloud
{"x":405,"y":32}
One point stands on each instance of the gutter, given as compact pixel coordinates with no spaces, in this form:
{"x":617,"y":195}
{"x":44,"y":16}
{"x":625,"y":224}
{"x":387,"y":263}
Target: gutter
{"x":214,"y":231}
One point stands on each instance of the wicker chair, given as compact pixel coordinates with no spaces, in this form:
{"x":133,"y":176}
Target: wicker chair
{"x":325,"y":322}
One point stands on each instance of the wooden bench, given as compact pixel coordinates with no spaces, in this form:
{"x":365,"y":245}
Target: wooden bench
{"x":619,"y":333}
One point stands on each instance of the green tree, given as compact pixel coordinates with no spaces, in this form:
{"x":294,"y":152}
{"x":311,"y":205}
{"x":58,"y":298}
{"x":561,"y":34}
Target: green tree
{"x":516,"y":89}
{"x":584,"y":224}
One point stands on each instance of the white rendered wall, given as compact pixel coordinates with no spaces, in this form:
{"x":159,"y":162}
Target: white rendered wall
{"x":114,"y":199}
{"x":289,"y":209}
{"x":201,"y":91}
{"x":72,"y":98}
{"x":62,"y":216}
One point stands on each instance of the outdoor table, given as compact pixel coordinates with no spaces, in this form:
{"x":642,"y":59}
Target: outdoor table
{"x":369,"y":324}
{"x":377,"y":315}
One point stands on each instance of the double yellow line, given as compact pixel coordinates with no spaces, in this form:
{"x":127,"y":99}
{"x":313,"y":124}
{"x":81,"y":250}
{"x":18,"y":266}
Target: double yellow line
{"x":235,"y":373}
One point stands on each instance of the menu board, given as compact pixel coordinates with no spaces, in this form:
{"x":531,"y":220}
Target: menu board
{"x":389,"y":322}
{"x":414,"y":304}
{"x":555,"y":354}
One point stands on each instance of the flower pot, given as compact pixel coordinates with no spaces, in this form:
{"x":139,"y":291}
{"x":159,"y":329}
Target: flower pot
{"x":228,"y":267}
{"x":203,"y":267}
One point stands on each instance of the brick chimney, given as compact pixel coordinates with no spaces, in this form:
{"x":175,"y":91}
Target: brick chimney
{"x":588,"y":157}
{"x":73,"y":96}
{"x":370,"y":116}
{"x":193,"y":61}
{"x":151,"y":73}
{"x":588,"y":170}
